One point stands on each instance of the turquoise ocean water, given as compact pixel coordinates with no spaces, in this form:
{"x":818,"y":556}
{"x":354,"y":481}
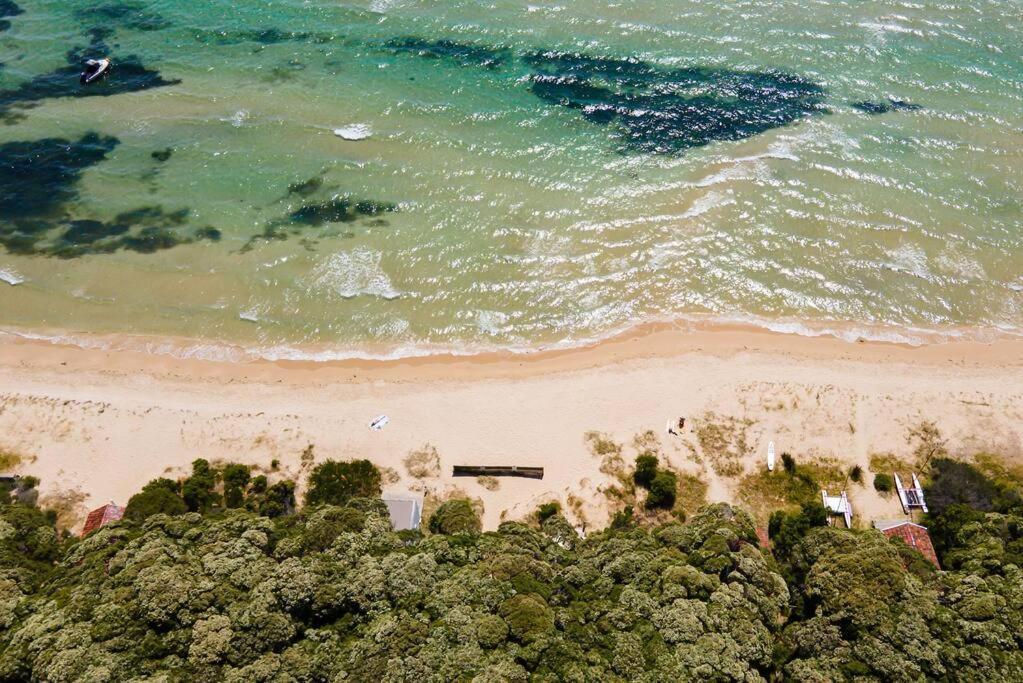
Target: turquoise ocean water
{"x":535,"y":174}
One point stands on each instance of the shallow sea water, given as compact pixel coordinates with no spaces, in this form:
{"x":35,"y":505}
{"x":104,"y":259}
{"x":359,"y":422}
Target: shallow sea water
{"x":535,"y":174}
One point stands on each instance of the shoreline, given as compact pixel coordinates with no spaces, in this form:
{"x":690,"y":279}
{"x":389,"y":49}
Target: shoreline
{"x":95,"y":425}
{"x":646,"y":340}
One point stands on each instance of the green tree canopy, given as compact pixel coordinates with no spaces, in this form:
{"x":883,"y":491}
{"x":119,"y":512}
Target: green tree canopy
{"x":334,"y":482}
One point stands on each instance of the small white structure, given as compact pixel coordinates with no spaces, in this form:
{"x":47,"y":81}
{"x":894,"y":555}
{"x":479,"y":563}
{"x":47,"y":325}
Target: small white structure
{"x":912,"y":498}
{"x":405,"y":510}
{"x":770,"y":457}
{"x":839,"y":506}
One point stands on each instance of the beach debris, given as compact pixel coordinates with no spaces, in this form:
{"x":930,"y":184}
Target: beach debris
{"x":10,"y":277}
{"x":770,"y":456}
{"x":354,"y":131}
{"x":248,"y":316}
{"x":379,"y":423}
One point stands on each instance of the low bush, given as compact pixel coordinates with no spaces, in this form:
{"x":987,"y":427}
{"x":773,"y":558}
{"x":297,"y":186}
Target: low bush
{"x":663,"y":490}
{"x":334,"y":483}
{"x":455,"y":517}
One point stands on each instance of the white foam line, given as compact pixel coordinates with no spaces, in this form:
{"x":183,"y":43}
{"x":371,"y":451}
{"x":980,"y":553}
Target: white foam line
{"x":10,"y":277}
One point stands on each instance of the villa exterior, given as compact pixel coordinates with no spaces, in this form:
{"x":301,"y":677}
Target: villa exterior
{"x":914,"y":535}
{"x":101,"y":516}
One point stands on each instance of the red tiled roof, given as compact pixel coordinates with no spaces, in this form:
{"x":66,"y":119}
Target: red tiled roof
{"x":100,"y":516}
{"x":765,"y":541}
{"x":915,"y":536}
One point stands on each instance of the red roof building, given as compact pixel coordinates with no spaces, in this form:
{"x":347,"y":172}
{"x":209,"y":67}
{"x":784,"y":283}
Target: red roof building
{"x":913,"y":535}
{"x":100,"y":516}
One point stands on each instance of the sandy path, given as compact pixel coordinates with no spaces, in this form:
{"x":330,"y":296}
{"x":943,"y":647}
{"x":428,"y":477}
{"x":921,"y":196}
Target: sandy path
{"x":103,"y":423}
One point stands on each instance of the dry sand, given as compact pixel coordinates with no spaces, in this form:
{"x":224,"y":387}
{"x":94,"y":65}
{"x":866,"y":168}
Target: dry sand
{"x":96,"y":425}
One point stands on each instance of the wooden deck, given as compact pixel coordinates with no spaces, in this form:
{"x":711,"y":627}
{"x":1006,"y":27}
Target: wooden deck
{"x":497,"y":471}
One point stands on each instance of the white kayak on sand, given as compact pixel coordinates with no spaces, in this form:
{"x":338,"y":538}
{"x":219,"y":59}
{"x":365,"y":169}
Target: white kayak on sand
{"x":379,"y":423}
{"x":770,"y":456}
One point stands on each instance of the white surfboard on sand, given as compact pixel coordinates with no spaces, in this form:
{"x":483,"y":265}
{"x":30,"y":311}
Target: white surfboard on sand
{"x":379,"y":423}
{"x":770,"y":456}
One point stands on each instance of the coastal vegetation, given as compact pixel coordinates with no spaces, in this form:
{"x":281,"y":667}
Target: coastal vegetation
{"x":219,"y":577}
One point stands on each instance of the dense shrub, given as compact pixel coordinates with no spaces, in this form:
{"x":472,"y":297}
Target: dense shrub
{"x":455,"y":517}
{"x":646,"y":470}
{"x":198,"y":490}
{"x":236,"y":479}
{"x":546,"y":511}
{"x":788,"y":463}
{"x":787,"y":529}
{"x":663,"y":490}
{"x":334,"y":482}
{"x":856,"y":474}
{"x":883,"y":482}
{"x":954,"y":483}
{"x":333,"y":594}
{"x":160,"y":496}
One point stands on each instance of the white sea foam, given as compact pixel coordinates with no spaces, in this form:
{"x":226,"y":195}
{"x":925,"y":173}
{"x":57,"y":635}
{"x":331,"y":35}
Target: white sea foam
{"x":354,"y":131}
{"x":10,"y":276}
{"x":707,"y":202}
{"x":348,"y":274}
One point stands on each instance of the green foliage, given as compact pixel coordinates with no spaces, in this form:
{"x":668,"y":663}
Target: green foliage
{"x":160,"y":496}
{"x":788,"y":463}
{"x":546,"y":511}
{"x":856,"y":474}
{"x":646,"y":470}
{"x":663,"y":490}
{"x":883,"y":482}
{"x":787,"y":529}
{"x":623,"y":519}
{"x":278,"y":500}
{"x":332,"y":593}
{"x":334,"y":482}
{"x":236,"y":479}
{"x":198,"y":491}
{"x":528,"y":617}
{"x":953,"y":483}
{"x":455,"y":517}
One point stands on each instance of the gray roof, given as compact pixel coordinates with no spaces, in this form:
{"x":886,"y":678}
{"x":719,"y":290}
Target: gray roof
{"x":406,"y":510}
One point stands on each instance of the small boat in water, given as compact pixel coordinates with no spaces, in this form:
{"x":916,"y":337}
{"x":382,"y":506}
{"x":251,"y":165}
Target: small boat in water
{"x":94,"y":70}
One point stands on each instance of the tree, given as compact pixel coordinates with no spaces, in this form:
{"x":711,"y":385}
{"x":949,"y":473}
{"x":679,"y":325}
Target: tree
{"x":663,"y":490}
{"x":646,"y":470}
{"x":198,"y":490}
{"x":159,"y":496}
{"x":279,"y":499}
{"x":236,"y":479}
{"x":787,"y":529}
{"x":455,"y":517}
{"x":856,"y":474}
{"x":954,"y":483}
{"x":334,"y":483}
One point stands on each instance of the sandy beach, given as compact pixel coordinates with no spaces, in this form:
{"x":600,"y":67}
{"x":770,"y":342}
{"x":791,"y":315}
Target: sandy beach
{"x":96,"y":425}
